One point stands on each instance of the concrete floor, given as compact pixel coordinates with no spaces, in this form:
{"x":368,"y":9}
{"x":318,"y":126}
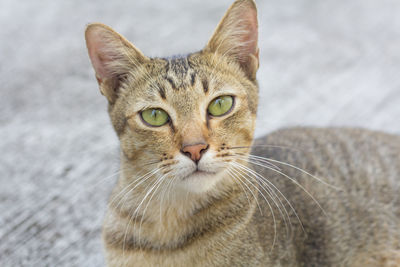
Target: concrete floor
{"x":322,"y":63}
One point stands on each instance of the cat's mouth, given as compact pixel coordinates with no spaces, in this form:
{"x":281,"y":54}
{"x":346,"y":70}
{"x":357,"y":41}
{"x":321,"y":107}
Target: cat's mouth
{"x":200,"y":174}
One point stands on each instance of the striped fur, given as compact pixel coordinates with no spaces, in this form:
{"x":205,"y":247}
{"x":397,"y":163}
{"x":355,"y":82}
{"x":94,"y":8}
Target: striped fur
{"x":263,"y":206}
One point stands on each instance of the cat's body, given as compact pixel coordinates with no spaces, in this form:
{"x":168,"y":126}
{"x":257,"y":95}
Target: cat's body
{"x":360,"y":221}
{"x":193,"y":193}
{"x":356,"y":224}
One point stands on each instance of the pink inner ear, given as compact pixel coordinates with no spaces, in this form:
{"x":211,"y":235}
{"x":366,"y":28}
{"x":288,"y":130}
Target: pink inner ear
{"x":250,"y":38}
{"x":98,"y":64}
{"x":96,"y":47}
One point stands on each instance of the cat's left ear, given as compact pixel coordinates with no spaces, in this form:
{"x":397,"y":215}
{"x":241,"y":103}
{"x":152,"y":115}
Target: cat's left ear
{"x":236,"y":36}
{"x":112,"y":57}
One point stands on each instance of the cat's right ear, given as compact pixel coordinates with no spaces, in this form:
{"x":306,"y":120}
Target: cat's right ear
{"x":112,"y":57}
{"x":236,"y":36}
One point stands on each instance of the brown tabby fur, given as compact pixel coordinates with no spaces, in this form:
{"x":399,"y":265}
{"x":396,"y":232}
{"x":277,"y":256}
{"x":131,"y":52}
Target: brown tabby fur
{"x":234,"y":215}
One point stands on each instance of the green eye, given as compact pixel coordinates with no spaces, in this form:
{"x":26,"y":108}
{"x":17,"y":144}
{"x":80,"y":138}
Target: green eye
{"x":155,"y":117}
{"x":220,"y":105}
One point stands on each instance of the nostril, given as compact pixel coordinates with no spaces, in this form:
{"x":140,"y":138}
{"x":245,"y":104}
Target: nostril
{"x":194,"y":152}
{"x":203,"y":150}
{"x":187,"y":154}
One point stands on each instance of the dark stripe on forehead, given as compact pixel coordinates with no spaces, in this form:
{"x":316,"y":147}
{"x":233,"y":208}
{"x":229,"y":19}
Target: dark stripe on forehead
{"x":205,"y":84}
{"x":177,"y":72}
{"x":171,"y":81}
{"x":190,"y":63}
{"x":192,"y":78}
{"x":180,"y":66}
{"x":167,"y":66}
{"x":161,"y":91}
{"x":166,"y":77}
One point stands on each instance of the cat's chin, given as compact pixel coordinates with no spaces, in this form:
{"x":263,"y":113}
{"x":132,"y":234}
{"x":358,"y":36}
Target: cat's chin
{"x":200,"y":174}
{"x":200,"y":181}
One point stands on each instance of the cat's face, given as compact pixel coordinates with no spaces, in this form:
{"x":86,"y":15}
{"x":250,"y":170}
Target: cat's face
{"x":184,"y":89}
{"x":182,"y":119}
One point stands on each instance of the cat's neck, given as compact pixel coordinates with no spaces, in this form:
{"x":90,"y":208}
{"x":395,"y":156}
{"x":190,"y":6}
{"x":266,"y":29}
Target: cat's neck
{"x":165,"y":219}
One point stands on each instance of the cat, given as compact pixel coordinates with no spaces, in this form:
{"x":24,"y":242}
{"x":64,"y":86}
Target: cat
{"x":195,"y":189}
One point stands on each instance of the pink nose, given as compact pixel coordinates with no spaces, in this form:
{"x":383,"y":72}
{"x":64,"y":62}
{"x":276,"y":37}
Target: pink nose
{"x":194,"y":151}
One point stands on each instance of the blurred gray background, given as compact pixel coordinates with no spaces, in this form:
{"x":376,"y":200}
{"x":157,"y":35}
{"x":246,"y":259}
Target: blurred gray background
{"x":323,"y":63}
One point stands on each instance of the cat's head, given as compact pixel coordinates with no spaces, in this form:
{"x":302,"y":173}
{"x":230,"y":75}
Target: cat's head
{"x":184,"y":117}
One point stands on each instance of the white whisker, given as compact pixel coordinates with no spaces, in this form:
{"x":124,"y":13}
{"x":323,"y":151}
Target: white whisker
{"x":148,"y":203}
{"x":135,"y":214}
{"x":295,"y":182}
{"x":265,"y":180}
{"x":141,"y":180}
{"x":266,"y":200}
{"x":297,"y":168}
{"x":271,"y":194}
{"x":255,"y":197}
{"x":239,"y":183}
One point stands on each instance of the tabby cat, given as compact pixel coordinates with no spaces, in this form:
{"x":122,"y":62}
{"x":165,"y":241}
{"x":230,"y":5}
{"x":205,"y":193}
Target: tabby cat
{"x":196,"y":190}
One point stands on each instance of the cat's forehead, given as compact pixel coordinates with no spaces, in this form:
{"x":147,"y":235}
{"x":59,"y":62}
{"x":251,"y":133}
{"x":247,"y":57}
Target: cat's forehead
{"x":180,"y":78}
{"x":180,"y":72}
{"x":178,"y":67}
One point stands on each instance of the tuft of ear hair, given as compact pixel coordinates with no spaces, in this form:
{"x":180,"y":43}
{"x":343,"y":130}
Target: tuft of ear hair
{"x":236,"y":36}
{"x":112,"y":57}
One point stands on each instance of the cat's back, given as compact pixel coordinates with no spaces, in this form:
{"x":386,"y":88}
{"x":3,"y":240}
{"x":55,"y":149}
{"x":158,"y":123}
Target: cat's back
{"x":350,"y":154}
{"x":353,"y":210}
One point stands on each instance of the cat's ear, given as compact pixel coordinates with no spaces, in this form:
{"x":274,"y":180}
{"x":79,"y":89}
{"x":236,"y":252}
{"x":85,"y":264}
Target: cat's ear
{"x":236,"y":36}
{"x":112,"y":57}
